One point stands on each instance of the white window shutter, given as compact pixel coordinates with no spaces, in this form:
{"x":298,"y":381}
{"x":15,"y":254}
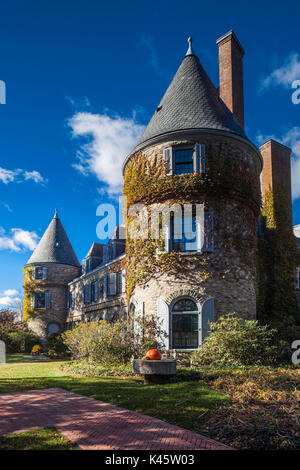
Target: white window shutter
{"x":123,"y":282}
{"x":137,"y":324}
{"x":207,"y":317}
{"x":168,"y":160}
{"x":47,"y":299}
{"x":32,"y":301}
{"x":163,"y":325}
{"x":45,"y":272}
{"x":33,"y":274}
{"x":105,"y":287}
{"x":197,"y":158}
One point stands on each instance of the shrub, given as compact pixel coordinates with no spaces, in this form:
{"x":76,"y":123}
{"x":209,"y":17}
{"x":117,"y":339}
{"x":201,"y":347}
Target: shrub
{"x":36,"y":350}
{"x":15,"y":334}
{"x":55,"y":344}
{"x":19,"y":341}
{"x":102,"y":342}
{"x":236,"y":342}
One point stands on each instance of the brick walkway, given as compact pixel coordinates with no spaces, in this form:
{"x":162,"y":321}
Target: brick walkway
{"x":93,"y":424}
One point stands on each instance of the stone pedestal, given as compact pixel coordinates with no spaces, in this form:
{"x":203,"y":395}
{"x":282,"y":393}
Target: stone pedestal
{"x":155,"y":372}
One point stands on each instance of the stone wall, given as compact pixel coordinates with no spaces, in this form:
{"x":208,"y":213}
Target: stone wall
{"x":228,"y":273}
{"x":58,"y":275}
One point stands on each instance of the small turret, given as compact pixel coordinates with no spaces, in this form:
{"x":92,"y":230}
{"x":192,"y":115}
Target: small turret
{"x":51,"y":266}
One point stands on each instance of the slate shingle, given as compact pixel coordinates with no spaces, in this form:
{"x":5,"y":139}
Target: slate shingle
{"x":54,"y":246}
{"x":191,"y":102}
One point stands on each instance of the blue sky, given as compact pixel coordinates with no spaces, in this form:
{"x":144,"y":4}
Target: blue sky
{"x":83,"y":78}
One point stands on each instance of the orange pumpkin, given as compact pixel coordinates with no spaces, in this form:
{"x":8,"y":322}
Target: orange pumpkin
{"x":154,"y":354}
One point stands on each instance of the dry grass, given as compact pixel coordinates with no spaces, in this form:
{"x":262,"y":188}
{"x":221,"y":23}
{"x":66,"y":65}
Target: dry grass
{"x":265,"y":408}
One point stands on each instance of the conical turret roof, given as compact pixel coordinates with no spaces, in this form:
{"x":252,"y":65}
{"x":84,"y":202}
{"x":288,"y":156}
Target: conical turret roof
{"x":191,"y":102}
{"x":54,"y":246}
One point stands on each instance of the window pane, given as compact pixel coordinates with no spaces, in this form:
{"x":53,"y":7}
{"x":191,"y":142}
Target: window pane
{"x":185,"y":331}
{"x":40,"y":301}
{"x":39,"y":273}
{"x":186,"y":226}
{"x":184,"y":161}
{"x":185,"y":305}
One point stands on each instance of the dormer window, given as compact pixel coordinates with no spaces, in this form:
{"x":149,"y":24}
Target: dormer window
{"x":185,"y":160}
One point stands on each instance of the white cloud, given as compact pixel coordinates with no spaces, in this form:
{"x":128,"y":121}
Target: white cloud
{"x":291,"y":139}
{"x":7,"y":176}
{"x":18,"y":239}
{"x":11,"y":292}
{"x":19,"y":175}
{"x":7,"y":301}
{"x":34,"y":176}
{"x":284,"y":75}
{"x":111,"y":139}
{"x":10,"y":298}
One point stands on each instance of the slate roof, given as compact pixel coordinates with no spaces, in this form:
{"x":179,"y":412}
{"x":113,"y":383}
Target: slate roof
{"x":191,"y":102}
{"x":54,"y":246}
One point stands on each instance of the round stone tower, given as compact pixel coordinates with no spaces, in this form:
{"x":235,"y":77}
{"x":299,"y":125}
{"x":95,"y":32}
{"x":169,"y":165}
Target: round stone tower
{"x":52,"y":265}
{"x":193,"y":152}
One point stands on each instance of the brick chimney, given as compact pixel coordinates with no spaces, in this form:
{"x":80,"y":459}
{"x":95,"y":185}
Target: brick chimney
{"x":231,"y":88}
{"x":276,"y":174}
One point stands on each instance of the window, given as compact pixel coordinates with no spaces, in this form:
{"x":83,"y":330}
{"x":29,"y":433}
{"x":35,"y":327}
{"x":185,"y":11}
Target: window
{"x":71,"y":300}
{"x":101,"y":289}
{"x":86,"y":294}
{"x":179,"y":161}
{"x":119,"y":282}
{"x":39,"y":273}
{"x":185,"y":325}
{"x":41,"y":300}
{"x":297,"y":277}
{"x":188,"y":230}
{"x":184,"y":161}
{"x":185,"y":233}
{"x":95,"y":291}
{"x":112,"y":284}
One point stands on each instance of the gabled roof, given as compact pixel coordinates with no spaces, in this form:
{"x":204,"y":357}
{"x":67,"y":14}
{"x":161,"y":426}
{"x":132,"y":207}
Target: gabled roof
{"x":191,"y":102}
{"x":95,"y":250}
{"x":54,"y":246}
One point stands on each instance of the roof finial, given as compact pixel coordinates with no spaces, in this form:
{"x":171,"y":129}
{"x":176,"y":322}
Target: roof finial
{"x":55,"y":214}
{"x":190,"y":49}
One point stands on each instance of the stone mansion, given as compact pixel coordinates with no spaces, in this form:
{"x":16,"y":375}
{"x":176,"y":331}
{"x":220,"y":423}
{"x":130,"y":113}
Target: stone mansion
{"x":194,"y":150}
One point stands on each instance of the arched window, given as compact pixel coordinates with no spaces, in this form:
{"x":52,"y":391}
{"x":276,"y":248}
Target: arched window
{"x":53,"y":328}
{"x":185,"y":324}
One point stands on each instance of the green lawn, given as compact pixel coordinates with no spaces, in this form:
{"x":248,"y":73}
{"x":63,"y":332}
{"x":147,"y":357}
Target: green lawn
{"x":45,"y":439}
{"x":182,"y":403}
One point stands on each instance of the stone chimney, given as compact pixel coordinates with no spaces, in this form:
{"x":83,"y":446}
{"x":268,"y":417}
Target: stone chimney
{"x":276,"y":174}
{"x":231,"y":87}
